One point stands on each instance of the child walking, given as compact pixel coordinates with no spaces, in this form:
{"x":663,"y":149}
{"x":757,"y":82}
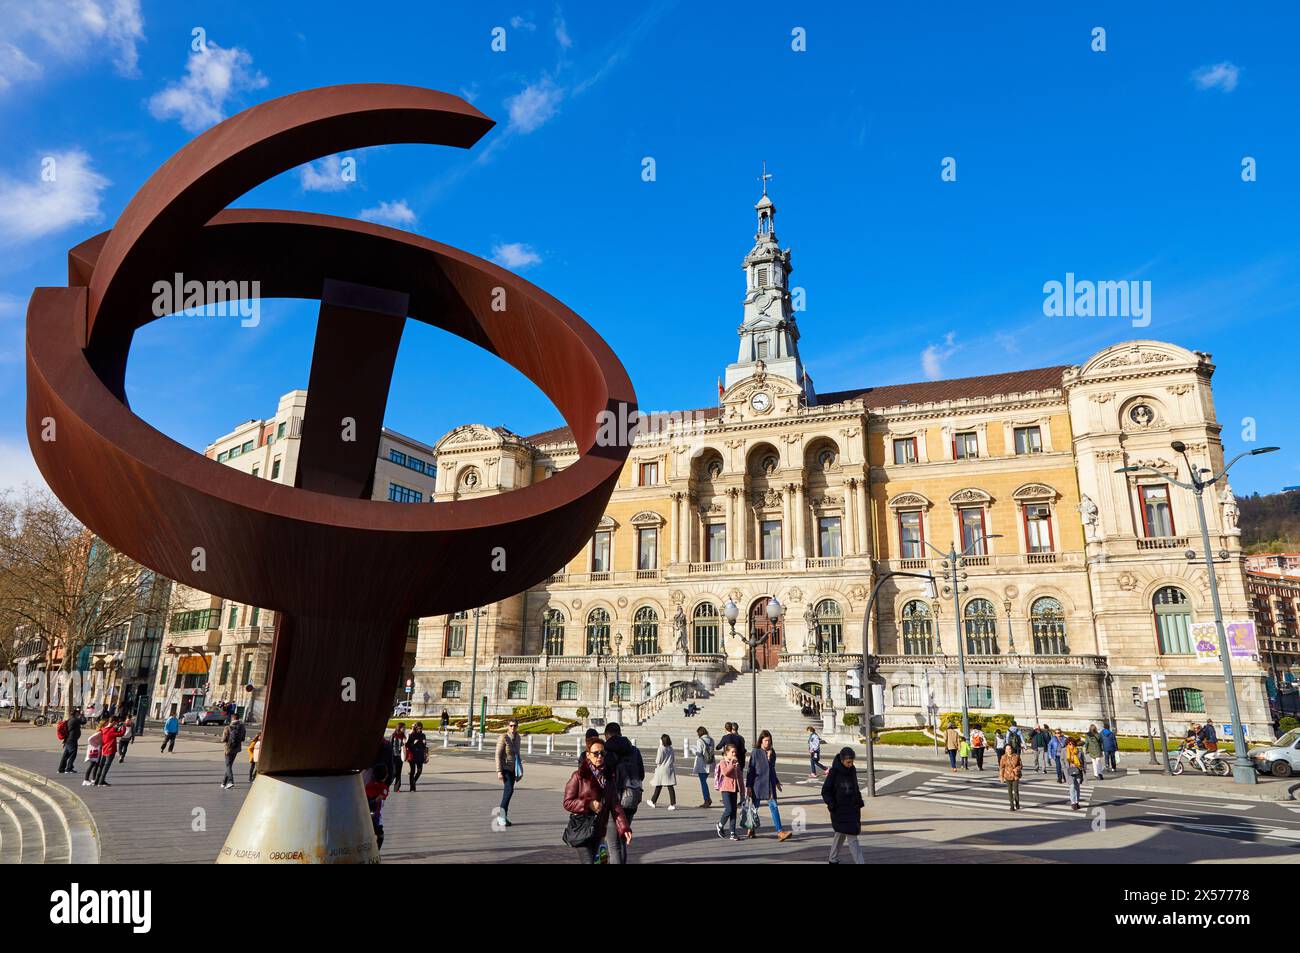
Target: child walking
{"x":728,"y":781}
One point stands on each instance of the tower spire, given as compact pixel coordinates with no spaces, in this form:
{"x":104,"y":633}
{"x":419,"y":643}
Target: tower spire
{"x":765,"y":176}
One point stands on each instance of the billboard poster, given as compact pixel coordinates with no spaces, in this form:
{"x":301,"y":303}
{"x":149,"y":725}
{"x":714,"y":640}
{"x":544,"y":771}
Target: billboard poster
{"x":1241,"y":640}
{"x":1205,"y":639}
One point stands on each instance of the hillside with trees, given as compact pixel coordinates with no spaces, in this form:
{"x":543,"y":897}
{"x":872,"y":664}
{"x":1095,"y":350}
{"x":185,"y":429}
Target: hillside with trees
{"x":1270,"y":524}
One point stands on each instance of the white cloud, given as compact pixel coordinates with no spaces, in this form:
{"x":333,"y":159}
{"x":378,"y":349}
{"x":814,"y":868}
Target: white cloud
{"x":534,"y":106}
{"x":934,"y":355}
{"x":397,"y":214}
{"x":67,"y":31}
{"x":1221,"y":76}
{"x":515,"y":255}
{"x":212,"y":76}
{"x":32,"y":207}
{"x":1008,"y":342}
{"x":562,"y":33}
{"x":519,"y":23}
{"x":17,"y":467}
{"x":323,"y":176}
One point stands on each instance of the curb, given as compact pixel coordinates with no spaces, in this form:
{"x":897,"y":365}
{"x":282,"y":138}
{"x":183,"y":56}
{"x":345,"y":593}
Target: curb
{"x":81,"y":830}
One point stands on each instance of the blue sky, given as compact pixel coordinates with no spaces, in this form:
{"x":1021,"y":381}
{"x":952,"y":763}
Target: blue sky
{"x":1114,"y":165}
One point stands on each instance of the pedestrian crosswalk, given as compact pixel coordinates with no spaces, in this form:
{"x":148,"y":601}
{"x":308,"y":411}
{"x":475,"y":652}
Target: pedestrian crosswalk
{"x":1039,"y":796}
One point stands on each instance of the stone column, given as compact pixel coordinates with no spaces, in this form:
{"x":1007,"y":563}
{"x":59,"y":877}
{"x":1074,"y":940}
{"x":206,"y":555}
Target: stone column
{"x":800,"y":543}
{"x":863,"y":517}
{"x":672,"y":529}
{"x":787,"y":543}
{"x":850,"y":547}
{"x":730,"y":535}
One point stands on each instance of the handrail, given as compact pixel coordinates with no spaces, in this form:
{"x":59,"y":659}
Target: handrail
{"x":802,"y":699}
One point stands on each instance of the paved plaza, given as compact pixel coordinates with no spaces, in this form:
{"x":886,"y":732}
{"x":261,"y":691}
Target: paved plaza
{"x":170,"y":809}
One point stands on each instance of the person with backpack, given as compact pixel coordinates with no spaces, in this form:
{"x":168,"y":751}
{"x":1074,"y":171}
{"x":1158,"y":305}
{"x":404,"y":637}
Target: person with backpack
{"x":591,"y":798}
{"x":417,"y":752}
{"x":762,"y":783}
{"x":730,"y":783}
{"x":94,"y":746}
{"x":704,"y":758}
{"x":1109,"y":747}
{"x":814,"y":754}
{"x":1092,"y":748}
{"x":110,"y":734}
{"x":1010,"y":771}
{"x":979,"y":744}
{"x":843,"y":798}
{"x":170,"y":730}
{"x":232,"y":739}
{"x":396,"y":744}
{"x":128,"y":733}
{"x":510,"y":768}
{"x":952,"y":742}
{"x":665,"y":773}
{"x":69,"y":732}
{"x":1073,"y":756}
{"x":626,"y":767}
{"x":1041,"y":740}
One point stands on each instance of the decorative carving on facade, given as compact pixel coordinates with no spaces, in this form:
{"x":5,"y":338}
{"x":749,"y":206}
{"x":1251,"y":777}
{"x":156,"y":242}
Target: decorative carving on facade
{"x":607,"y":522}
{"x":1127,"y":581}
{"x":1135,"y":358}
{"x":1109,"y":454}
{"x":826,"y":500}
{"x":970,"y":495}
{"x":1090,"y":515}
{"x":647,"y":518}
{"x":1102,"y":397}
{"x":622,"y":602}
{"x":765,"y":499}
{"x":1034,"y":491}
{"x":577,"y":604}
{"x":1231,"y":513}
{"x":1179,"y":389}
{"x":679,"y":630}
{"x":796,"y":595}
{"x":909,"y":500}
{"x":677,"y":596}
{"x":858,"y":592}
{"x":706,"y":509}
{"x":810,"y":630}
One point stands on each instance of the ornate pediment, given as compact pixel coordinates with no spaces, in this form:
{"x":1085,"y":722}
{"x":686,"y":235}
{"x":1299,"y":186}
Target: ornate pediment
{"x":909,"y":500}
{"x":1034,"y":491}
{"x":466,"y":437}
{"x":970,"y":495}
{"x":647,"y":518}
{"x":607,"y":522}
{"x":766,"y":499}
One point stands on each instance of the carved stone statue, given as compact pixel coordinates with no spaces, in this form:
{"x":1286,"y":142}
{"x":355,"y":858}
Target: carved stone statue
{"x":679,"y":630}
{"x":810,"y":637}
{"x":1091,"y":516}
{"x":1231,"y":513}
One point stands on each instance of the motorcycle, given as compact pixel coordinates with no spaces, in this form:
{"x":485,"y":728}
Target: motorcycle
{"x":1211,"y":763}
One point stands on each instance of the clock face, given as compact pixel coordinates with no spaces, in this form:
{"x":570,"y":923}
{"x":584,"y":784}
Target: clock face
{"x":760,"y":401}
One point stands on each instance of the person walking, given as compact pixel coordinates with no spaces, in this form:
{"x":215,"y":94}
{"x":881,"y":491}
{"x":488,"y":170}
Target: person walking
{"x":1092,"y":748}
{"x":730,"y":783}
{"x":762,"y":783}
{"x":128,"y":733}
{"x":444,"y":720}
{"x":843,"y":798}
{"x":1015,"y":739}
{"x":814,"y":754}
{"x":94,"y":746}
{"x":69,"y":732}
{"x":232,"y":738}
{"x":999,"y":743}
{"x":1009,"y":772}
{"x":254,"y":754}
{"x":590,"y":791}
{"x":171,"y":729}
{"x":952,"y":743}
{"x":417,"y":752}
{"x":1073,"y":756}
{"x":1055,"y":749}
{"x":963,"y":752}
{"x":376,"y":793}
{"x":625,"y":765}
{"x":396,"y":750}
{"x":665,"y":773}
{"x":704,"y":758}
{"x":978,"y":744}
{"x":1110,"y":747}
{"x":1041,"y":739}
{"x":110,"y":733}
{"x":510,"y":768}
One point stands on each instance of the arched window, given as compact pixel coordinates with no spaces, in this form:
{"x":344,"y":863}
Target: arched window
{"x":981,"y":628}
{"x":1047,"y":619}
{"x":553,"y":632}
{"x":812,"y":688}
{"x":1054,"y":698}
{"x":456,"y":626}
{"x":1173,"y":621}
{"x":918,"y":629}
{"x":707,"y":628}
{"x":645,"y":631}
{"x":451,"y":689}
{"x":1189,"y":700}
{"x":566,"y":692}
{"x":907,"y":696}
{"x":517,"y":690}
{"x":830,"y":626}
{"x":598,"y":632}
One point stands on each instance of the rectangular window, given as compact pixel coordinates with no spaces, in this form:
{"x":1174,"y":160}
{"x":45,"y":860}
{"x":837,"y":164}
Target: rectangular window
{"x":911,"y":534}
{"x":1029,"y":440}
{"x":225,"y":670}
{"x":979,"y":696}
{"x":762,"y":349}
{"x":1038,"y":528}
{"x":256,"y":612}
{"x":279,"y":431}
{"x":649,"y":474}
{"x":234,"y":452}
{"x":905,"y":450}
{"x":275,"y":469}
{"x":965,"y":446}
{"x":647,"y":548}
{"x":717,"y":542}
{"x":415,"y":463}
{"x":256,"y":470}
{"x":828,"y":536}
{"x":248,"y":671}
{"x":233,"y":618}
{"x":771,"y":539}
{"x":223,"y":456}
{"x":1157,"y":519}
{"x":600,"y":552}
{"x":456,"y":637}
{"x":972,"y":530}
{"x":397,"y":457}
{"x":762,"y":277}
{"x":403,"y":494}
{"x":247,"y":447}
{"x":270,"y":439}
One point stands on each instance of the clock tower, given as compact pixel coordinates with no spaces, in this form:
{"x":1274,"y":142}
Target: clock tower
{"x":769,"y":333}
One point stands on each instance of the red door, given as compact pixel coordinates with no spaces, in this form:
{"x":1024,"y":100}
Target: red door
{"x":768,"y":654}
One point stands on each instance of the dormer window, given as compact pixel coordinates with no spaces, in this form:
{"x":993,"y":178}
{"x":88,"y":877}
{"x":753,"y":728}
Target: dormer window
{"x":762,"y":277}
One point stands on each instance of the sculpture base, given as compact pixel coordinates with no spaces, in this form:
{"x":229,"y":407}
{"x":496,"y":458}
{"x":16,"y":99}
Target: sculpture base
{"x":302,"y":820}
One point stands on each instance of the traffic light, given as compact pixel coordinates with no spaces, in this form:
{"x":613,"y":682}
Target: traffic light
{"x":853,"y":681}
{"x":1158,"y":689}
{"x":1137,"y":696}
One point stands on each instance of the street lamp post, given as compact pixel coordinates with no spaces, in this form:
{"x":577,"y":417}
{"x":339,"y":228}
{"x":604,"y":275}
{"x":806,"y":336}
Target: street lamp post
{"x":1242,"y":770}
{"x":473,"y":680}
{"x":952,"y":561}
{"x":618,"y":685}
{"x":731,"y":613}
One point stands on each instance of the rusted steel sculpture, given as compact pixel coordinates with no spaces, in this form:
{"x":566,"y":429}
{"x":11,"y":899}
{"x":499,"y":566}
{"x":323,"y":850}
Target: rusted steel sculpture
{"x":343,"y":573}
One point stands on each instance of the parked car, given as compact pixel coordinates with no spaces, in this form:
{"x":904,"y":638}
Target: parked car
{"x":402,"y":710}
{"x":1282,"y":759}
{"x":205,"y":716}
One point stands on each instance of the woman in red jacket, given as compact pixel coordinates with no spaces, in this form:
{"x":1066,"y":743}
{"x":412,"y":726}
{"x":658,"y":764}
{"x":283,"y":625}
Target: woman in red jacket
{"x":591,"y":790}
{"x":110,"y":733}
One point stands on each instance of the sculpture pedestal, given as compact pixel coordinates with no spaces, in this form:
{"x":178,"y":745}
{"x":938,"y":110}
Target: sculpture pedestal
{"x":287,"y":819}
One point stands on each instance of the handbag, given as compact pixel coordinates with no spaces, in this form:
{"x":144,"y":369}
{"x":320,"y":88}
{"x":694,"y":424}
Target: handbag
{"x":749,"y":816}
{"x":580,"y":831}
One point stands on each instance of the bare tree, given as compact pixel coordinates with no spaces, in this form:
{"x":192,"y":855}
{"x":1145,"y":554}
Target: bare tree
{"x":62,"y":587}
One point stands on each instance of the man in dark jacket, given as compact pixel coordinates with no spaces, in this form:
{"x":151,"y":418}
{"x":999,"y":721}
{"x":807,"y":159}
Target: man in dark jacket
{"x":733,"y":737}
{"x":71,"y":739}
{"x":843,"y":799}
{"x":623,"y":760}
{"x":232,"y":739}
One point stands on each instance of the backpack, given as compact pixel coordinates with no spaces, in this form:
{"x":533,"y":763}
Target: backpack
{"x":635,"y":765}
{"x":977,"y":741}
{"x":1014,"y":742}
{"x":62,"y":730}
{"x":707,"y":752}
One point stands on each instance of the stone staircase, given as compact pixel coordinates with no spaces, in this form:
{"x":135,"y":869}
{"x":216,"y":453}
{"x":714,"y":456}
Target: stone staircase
{"x":42,"y":822}
{"x":731,"y":701}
